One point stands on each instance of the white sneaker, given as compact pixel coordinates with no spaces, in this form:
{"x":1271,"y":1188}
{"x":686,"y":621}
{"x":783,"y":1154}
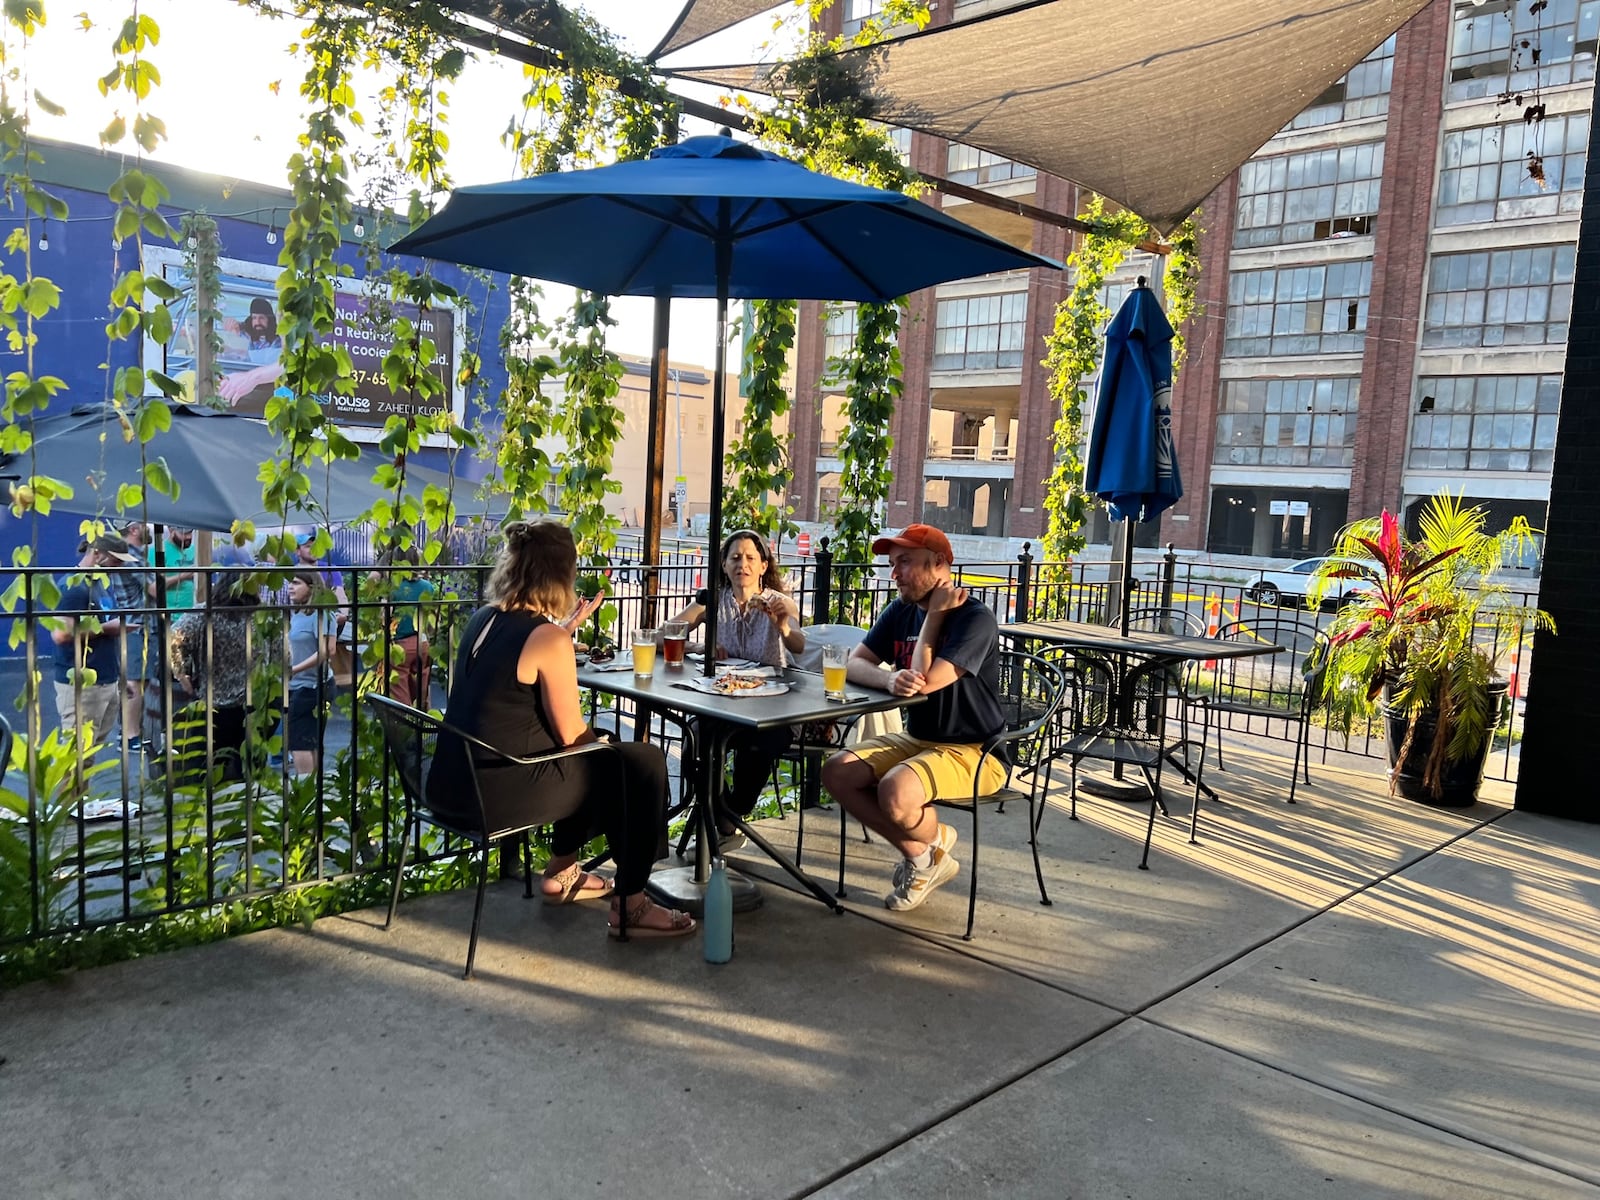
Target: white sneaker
{"x":945,"y":840}
{"x":917,"y":883}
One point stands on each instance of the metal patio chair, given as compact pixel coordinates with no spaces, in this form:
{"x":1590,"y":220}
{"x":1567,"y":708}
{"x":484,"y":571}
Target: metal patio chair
{"x":411,"y":737}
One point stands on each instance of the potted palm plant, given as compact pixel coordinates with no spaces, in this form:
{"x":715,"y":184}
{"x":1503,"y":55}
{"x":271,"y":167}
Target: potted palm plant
{"x":1419,"y":643}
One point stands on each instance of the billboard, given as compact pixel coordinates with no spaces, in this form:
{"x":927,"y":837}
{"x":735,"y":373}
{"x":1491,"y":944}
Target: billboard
{"x":249,"y":363}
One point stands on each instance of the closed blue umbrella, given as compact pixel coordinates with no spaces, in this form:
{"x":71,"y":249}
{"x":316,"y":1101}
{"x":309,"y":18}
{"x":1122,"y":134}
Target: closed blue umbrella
{"x":715,"y":218}
{"x":1132,"y":465}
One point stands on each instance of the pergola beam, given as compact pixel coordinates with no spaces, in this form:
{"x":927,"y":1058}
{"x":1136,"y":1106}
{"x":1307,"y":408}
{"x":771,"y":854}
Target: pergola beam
{"x":507,"y":41}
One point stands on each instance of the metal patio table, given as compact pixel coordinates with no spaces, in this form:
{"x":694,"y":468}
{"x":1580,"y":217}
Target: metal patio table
{"x":1155,"y":652}
{"x":722,"y":719}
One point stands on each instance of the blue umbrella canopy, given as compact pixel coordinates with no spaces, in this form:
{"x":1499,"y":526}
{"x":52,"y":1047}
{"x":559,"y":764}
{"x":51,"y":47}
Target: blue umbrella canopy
{"x":710,"y":218}
{"x":1131,"y":462}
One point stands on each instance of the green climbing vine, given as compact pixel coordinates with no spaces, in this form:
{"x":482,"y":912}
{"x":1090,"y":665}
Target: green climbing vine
{"x":758,"y":465}
{"x":821,"y":117}
{"x":870,"y":369}
{"x":590,"y":424}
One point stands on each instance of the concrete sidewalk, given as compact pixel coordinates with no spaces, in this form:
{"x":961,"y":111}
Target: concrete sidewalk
{"x":1354,"y":997}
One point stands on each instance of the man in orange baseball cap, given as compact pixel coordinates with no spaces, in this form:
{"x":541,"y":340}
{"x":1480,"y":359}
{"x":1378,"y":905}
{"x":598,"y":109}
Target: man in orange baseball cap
{"x":943,"y":645}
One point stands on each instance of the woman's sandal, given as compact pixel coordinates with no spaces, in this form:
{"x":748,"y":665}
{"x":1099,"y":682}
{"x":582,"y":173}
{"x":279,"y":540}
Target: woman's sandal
{"x":678,"y":923}
{"x":574,"y":883}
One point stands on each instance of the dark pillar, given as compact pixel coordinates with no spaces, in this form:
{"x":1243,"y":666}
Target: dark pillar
{"x":1556,"y":775}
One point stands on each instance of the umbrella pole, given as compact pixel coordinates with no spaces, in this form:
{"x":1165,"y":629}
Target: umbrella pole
{"x":1126,"y":601}
{"x":719,"y":404}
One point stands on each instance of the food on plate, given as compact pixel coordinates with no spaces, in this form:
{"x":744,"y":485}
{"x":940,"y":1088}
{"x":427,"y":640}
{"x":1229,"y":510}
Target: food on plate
{"x":731,"y":683}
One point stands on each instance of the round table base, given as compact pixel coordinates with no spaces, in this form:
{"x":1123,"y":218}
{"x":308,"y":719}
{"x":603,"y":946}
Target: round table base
{"x":1129,"y":788}
{"x":676,"y":887}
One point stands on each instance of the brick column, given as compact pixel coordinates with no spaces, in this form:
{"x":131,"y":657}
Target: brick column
{"x":1034,"y":450}
{"x":1197,"y":390}
{"x":1563,"y":707}
{"x":805,"y":415}
{"x":909,"y":427}
{"x":1399,"y":260}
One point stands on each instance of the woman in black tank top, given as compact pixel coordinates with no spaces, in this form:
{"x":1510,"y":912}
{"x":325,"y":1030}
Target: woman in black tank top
{"x":516,"y":687}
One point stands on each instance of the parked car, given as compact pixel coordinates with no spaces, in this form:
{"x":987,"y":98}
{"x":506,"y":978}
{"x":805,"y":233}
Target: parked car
{"x":1289,"y":585}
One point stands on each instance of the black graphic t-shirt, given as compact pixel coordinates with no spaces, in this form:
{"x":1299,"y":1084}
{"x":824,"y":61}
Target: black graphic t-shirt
{"x":969,"y":709}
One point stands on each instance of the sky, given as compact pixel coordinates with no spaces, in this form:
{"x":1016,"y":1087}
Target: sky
{"x":219,"y":66}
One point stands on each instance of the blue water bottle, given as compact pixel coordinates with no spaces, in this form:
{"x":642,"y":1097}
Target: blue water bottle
{"x":718,"y":935}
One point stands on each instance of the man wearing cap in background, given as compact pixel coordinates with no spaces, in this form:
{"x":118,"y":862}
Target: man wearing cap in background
{"x":945,"y":645}
{"x":77,"y":646}
{"x":177,"y":559}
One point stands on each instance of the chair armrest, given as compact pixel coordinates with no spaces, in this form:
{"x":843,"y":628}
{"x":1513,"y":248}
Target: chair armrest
{"x":527,"y":760}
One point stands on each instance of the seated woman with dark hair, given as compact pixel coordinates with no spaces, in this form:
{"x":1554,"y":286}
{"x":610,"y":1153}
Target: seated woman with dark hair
{"x":757,"y":620}
{"x":515,"y":686}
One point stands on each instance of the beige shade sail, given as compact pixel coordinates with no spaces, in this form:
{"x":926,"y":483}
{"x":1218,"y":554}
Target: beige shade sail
{"x":702,"y":18}
{"x":1152,"y":103}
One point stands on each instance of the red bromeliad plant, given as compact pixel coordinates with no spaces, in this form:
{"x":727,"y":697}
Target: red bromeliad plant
{"x":1426,"y":634}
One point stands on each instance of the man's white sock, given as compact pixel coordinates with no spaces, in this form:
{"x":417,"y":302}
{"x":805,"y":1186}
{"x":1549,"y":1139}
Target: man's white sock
{"x":924,"y":860}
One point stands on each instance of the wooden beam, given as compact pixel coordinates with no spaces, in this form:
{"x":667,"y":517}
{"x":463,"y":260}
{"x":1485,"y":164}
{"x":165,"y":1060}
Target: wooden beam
{"x":531,"y":54}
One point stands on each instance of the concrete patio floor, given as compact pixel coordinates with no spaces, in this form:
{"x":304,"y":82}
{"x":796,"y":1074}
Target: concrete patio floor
{"x":1353,"y":997}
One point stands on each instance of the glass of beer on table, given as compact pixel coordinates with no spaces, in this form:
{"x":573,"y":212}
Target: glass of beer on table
{"x":674,"y":640}
{"x":833,"y":670}
{"x":644,"y":653}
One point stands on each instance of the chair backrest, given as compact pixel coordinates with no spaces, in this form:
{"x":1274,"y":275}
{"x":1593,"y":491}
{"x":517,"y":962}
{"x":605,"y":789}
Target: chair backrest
{"x":1287,"y":680}
{"x":1163,"y":620}
{"x":411,"y":736}
{"x":818,"y":636}
{"x":1031,"y":691}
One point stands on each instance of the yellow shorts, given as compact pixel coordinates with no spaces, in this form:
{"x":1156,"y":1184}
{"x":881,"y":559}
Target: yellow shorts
{"x":945,"y":768}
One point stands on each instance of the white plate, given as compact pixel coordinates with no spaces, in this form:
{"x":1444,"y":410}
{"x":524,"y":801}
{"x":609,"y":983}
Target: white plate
{"x":769,"y":687}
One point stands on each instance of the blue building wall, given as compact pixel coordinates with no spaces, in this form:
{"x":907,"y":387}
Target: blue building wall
{"x":82,"y":260}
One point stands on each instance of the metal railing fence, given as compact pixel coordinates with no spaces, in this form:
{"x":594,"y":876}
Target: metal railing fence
{"x":205,"y":807}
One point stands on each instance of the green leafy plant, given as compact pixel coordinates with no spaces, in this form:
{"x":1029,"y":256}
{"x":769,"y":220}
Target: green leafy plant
{"x":757,"y":463}
{"x":1425,"y":632}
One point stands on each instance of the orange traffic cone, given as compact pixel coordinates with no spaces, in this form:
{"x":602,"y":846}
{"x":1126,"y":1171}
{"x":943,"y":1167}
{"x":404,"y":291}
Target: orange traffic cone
{"x":1213,"y":621}
{"x":1514,"y":688}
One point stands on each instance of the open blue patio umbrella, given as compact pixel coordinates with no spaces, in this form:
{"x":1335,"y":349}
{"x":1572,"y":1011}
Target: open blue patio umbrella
{"x":712,"y":218}
{"x":1132,"y":465}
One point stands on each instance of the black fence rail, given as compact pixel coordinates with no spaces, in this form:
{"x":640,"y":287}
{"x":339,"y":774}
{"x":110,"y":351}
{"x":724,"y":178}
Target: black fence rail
{"x":190,"y":797}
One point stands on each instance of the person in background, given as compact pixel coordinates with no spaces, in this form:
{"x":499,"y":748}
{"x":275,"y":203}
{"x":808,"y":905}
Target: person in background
{"x":757,"y":620}
{"x":221,"y":683}
{"x":409,"y":682}
{"x":178,"y":566}
{"x":945,"y":645}
{"x":263,"y":346}
{"x":515,"y":686}
{"x":78,"y":647}
{"x":131,"y":595}
{"x":311,"y":642}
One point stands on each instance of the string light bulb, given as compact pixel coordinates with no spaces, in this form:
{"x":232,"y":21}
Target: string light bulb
{"x":272,"y":235}
{"x":359,"y":227}
{"x":44,"y":235}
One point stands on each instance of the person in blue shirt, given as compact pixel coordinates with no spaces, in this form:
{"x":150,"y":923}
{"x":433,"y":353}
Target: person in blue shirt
{"x":87,"y":677}
{"x":310,"y":652}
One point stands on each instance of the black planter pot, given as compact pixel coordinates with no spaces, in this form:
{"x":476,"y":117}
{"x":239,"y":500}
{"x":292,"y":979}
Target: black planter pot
{"x":1459,"y":785}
